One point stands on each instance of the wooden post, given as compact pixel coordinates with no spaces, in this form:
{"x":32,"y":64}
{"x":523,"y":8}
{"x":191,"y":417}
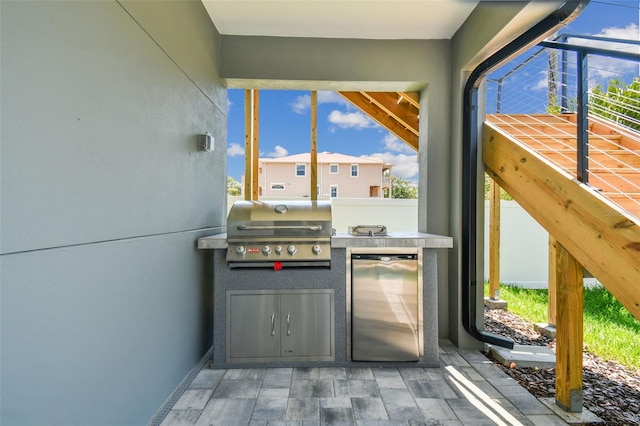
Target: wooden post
{"x":494,"y":240}
{"x":552,"y":281}
{"x":248,"y":144}
{"x":569,"y":331}
{"x":255,"y":151}
{"x":314,"y":146}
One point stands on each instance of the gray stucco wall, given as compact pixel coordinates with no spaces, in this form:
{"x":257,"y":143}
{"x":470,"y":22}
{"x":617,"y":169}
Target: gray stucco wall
{"x":105,"y":300}
{"x":490,"y":26}
{"x":373,"y":65}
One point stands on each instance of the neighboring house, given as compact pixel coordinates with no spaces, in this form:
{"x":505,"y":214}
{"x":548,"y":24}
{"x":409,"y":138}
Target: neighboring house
{"x":339,"y":175}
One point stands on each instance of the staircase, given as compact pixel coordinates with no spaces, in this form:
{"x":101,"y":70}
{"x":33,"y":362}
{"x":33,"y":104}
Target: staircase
{"x":614,"y":152}
{"x":533,"y":157}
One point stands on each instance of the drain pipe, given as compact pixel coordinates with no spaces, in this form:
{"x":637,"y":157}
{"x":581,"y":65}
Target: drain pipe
{"x":566,"y":13}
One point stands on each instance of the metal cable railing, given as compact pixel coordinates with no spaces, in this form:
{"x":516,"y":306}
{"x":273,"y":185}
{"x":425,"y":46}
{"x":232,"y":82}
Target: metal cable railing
{"x":572,"y":81}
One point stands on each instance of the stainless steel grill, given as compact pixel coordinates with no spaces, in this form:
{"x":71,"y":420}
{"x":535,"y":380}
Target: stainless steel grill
{"x":279,"y":234}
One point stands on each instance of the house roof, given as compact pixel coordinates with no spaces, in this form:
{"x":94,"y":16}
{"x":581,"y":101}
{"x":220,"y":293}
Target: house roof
{"x":324,"y":158}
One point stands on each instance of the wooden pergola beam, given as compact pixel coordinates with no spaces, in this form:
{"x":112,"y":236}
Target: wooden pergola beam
{"x":314,"y":147}
{"x":412,"y":97}
{"x":255,"y":151}
{"x":251,"y":145}
{"x":494,"y":240}
{"x":248,"y":144}
{"x":403,"y":113}
{"x":382,"y":117}
{"x":551,"y":289}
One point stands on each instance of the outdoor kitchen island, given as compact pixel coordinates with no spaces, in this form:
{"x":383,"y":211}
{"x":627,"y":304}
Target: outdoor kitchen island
{"x":256,"y":310}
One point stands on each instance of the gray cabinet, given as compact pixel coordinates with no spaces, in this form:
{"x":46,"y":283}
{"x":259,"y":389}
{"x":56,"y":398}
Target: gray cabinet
{"x":280,"y":325}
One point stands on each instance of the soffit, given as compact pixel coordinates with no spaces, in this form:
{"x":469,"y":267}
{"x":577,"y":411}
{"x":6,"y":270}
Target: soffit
{"x":362,"y":19}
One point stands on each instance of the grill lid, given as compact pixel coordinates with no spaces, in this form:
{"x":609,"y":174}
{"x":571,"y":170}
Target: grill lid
{"x":279,"y":233}
{"x":254,"y":220}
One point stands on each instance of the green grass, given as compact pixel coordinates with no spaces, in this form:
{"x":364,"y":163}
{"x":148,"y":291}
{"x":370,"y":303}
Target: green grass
{"x":610,"y":331}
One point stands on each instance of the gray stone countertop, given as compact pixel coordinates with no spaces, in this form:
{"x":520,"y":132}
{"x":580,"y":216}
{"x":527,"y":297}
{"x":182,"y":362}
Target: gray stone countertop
{"x":345,"y":240}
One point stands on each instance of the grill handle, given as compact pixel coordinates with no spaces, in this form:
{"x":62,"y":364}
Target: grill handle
{"x":275,"y":228}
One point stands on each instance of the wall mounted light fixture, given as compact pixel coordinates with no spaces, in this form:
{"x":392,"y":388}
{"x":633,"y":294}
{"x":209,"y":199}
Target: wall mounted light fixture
{"x":206,"y":142}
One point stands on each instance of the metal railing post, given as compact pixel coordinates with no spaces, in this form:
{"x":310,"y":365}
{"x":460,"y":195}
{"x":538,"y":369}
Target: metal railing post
{"x":499,"y":97}
{"x":564,"y":82}
{"x":583,"y":120}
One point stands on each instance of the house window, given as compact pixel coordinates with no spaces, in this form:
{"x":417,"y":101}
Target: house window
{"x":301,"y":169}
{"x":334,"y":191}
{"x":277,"y":186}
{"x":354,"y":170}
{"x":333,"y":169}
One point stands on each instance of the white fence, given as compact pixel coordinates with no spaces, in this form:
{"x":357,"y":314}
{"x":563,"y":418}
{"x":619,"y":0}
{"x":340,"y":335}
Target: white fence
{"x":396,"y":215}
{"x":524,"y":258}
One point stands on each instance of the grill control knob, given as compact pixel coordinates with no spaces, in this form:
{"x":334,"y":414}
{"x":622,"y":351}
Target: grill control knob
{"x":292,"y":250}
{"x":316,"y":249}
{"x":279,"y":250}
{"x":266,"y":250}
{"x":241,"y":250}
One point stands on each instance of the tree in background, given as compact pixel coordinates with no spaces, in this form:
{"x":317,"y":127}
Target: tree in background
{"x":233,"y":186}
{"x":401,"y":188}
{"x":619,"y":102}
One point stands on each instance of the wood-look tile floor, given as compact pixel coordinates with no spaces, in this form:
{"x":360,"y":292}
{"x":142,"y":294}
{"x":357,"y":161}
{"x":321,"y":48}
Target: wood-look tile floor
{"x":467,"y":389}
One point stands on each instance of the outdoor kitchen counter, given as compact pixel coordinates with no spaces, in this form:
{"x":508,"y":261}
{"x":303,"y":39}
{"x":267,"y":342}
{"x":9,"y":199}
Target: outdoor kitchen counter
{"x":394,"y":239}
{"x":344,"y":240}
{"x":228,"y":281}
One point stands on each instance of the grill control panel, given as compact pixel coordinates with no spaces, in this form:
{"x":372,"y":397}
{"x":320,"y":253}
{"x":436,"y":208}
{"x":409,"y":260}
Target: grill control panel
{"x":282,"y":251}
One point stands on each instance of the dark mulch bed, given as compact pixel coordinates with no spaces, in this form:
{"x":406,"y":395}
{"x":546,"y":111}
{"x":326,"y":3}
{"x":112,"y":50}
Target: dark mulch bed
{"x":611,"y":391}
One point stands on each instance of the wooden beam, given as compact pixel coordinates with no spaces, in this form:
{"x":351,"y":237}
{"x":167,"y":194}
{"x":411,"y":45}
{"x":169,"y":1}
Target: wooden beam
{"x":248,"y":144}
{"x":552,"y":303}
{"x":404,"y":113}
{"x":377,"y":114}
{"x":569,"y":331}
{"x":314,"y":146}
{"x":602,"y":237}
{"x":412,"y":97}
{"x":494,"y":240}
{"x":255,"y":145}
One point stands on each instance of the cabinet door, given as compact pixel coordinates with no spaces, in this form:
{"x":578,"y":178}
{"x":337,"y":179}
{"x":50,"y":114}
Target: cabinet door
{"x":306,"y":329}
{"x":254,"y":329}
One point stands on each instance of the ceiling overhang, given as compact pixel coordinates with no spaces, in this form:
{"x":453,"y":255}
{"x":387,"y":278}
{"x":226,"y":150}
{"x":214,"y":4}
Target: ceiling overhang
{"x":363,"y":19}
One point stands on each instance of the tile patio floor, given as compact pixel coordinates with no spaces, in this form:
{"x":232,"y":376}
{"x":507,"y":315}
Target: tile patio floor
{"x":467,"y":389}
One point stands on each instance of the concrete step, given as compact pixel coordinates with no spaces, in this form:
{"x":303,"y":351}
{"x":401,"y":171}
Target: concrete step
{"x":524,"y":356}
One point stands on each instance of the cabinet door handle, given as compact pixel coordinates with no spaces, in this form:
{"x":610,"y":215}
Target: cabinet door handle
{"x":273,"y":324}
{"x":288,"y":324}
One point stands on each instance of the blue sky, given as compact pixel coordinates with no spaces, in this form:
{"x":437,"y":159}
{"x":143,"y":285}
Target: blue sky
{"x":285,"y":115}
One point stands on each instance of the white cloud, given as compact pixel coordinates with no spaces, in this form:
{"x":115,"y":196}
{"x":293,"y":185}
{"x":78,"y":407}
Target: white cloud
{"x":303,"y":102}
{"x":328,"y":97}
{"x":602,"y":68}
{"x":404,"y":166}
{"x":278,"y":151}
{"x":350,"y":120}
{"x":542,"y":83}
{"x":630,"y":32}
{"x":392,"y":143}
{"x":235,"y":150}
